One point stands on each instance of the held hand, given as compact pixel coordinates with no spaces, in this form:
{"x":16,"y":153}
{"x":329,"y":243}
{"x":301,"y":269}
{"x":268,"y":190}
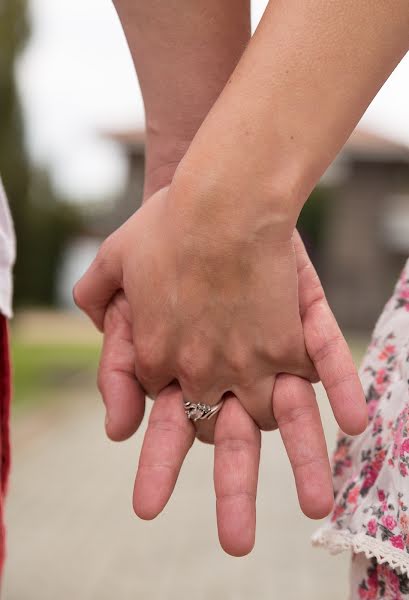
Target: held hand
{"x":212,"y":306}
{"x":170,"y":435}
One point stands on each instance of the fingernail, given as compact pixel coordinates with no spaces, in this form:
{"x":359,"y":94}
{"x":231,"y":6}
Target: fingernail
{"x":106,"y":420}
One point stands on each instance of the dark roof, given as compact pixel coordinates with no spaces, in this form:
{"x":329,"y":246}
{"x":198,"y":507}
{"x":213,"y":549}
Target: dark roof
{"x":133,"y":139}
{"x":362,"y":145}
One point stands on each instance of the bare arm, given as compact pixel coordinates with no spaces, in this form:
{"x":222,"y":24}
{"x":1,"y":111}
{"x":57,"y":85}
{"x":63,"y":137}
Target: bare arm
{"x":184,"y":52}
{"x":304,"y":81}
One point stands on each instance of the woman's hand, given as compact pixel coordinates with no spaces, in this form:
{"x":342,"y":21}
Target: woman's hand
{"x":213,"y":302}
{"x":237,"y":439}
{"x":170,"y":435}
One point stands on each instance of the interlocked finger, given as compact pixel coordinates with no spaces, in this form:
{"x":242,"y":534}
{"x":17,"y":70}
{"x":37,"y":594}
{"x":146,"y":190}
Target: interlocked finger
{"x":203,"y":417}
{"x":328,"y":349}
{"x":299,"y":421}
{"x":256,"y":399}
{"x":167,"y":441}
{"x":236,"y":463}
{"x":122,"y":394}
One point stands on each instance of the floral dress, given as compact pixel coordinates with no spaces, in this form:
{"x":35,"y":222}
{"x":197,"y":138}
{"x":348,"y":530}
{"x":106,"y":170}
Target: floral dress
{"x":371,"y":471}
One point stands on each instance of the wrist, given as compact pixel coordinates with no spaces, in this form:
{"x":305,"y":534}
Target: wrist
{"x":162,"y":157}
{"x":266,"y":207}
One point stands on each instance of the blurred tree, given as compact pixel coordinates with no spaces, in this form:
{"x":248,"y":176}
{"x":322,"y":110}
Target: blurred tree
{"x":43,"y":224}
{"x":312,"y":221}
{"x":13,"y":161}
{"x":52,"y":223}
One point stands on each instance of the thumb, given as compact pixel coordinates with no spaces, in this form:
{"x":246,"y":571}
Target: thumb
{"x":93,"y":292}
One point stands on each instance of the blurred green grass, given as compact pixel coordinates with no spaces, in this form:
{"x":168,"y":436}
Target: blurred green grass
{"x":42,"y":371}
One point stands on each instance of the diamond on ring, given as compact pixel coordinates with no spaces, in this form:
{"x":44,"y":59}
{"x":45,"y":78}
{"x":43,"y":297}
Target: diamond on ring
{"x":197,"y":412}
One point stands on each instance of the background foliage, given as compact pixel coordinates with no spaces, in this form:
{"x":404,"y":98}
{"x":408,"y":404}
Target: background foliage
{"x":44,"y":222}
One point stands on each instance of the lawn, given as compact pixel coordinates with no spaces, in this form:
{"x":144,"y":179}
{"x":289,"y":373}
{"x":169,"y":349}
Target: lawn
{"x":42,"y":370}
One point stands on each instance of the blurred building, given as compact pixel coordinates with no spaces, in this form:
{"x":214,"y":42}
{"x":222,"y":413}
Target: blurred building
{"x":133,"y":144}
{"x":366,"y":237}
{"x":366,"y":225}
{"x":103,"y":218}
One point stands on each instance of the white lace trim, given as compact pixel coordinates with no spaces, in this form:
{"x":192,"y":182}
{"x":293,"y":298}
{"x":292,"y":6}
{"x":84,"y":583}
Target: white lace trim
{"x":337,"y":541}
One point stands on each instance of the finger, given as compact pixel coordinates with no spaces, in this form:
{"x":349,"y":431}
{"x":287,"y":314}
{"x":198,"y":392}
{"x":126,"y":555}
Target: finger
{"x":167,"y":440}
{"x":336,"y":369}
{"x":98,"y":285}
{"x":124,"y":398}
{"x":196,"y":391}
{"x":329,"y":351}
{"x":298,"y":418}
{"x":205,"y":429}
{"x":256,"y":399}
{"x":236,"y":463}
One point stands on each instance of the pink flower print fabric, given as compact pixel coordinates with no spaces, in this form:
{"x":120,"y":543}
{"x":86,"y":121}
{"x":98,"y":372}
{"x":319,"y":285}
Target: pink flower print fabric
{"x":371,"y":471}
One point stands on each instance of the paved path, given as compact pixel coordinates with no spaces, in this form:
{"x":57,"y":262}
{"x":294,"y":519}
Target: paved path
{"x":73,"y":536}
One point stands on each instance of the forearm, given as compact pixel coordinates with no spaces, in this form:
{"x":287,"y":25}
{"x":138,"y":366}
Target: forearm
{"x":184,"y":52}
{"x":304,"y":81}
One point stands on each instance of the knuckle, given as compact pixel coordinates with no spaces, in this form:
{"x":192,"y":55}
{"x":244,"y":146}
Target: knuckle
{"x":234,"y":445}
{"x":340,"y":379}
{"x":239,"y":362}
{"x":315,"y":296}
{"x":193,"y":368}
{"x":323,"y":351}
{"x":286,"y":348}
{"x":309,"y":459}
{"x":106,"y":249}
{"x":291,"y":356}
{"x":101,"y":263}
{"x":291,"y":343}
{"x":289,"y":415}
{"x":106,"y":255}
{"x":148,"y":358}
{"x":235,"y":494}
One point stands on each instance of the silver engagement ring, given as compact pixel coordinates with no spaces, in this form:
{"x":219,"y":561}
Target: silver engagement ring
{"x":198,"y":412}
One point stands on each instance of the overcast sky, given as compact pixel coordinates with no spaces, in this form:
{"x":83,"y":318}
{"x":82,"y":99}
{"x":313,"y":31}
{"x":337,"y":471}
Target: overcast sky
{"x":76,"y":80}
